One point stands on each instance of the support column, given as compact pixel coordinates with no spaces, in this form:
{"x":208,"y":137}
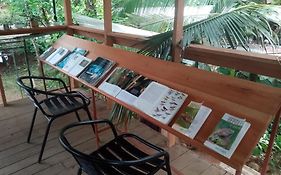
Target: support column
{"x":69,"y":21}
{"x":107,"y":22}
{"x":178,"y":30}
{"x":176,"y":50}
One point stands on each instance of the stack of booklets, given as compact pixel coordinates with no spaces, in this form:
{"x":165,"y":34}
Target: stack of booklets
{"x":96,"y":70}
{"x":57,"y":55}
{"x":154,"y":99}
{"x":227,"y":135}
{"x":66,"y":60}
{"x":47,"y":53}
{"x":191,"y":119}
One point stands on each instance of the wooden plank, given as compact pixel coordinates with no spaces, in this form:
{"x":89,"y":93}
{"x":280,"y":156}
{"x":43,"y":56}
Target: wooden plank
{"x":256,"y":103}
{"x":2,"y":92}
{"x":241,"y":60}
{"x":67,"y":12}
{"x":37,"y":30}
{"x":178,"y":30}
{"x":107,"y":22}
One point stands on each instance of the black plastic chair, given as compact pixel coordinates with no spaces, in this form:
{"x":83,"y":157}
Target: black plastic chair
{"x":118,"y":156}
{"x":52,"y":104}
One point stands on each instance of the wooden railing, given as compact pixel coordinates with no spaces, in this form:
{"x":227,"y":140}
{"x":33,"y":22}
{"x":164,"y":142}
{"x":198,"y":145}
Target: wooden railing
{"x":241,"y":60}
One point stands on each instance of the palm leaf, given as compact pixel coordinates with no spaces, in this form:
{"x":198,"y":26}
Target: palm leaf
{"x":229,"y":25}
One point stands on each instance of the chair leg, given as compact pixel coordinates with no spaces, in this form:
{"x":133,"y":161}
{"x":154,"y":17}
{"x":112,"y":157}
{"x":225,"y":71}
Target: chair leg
{"x":95,"y":128}
{"x":44,"y":140}
{"x":79,"y":171}
{"x":32,"y":124}
{"x":88,"y":113}
{"x":168,"y":168}
{"x":77,"y":116}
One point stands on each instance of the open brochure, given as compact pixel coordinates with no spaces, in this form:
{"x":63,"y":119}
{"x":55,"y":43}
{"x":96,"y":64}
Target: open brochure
{"x":154,"y":99}
{"x":125,"y":85}
{"x":191,"y":119}
{"x":227,"y":135}
{"x":57,"y":55}
{"x":68,"y":58}
{"x":96,"y":70}
{"x":160,"y":102}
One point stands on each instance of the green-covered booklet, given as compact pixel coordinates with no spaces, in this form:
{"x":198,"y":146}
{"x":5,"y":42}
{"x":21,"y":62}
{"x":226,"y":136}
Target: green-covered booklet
{"x":227,"y":135}
{"x":192,"y":118}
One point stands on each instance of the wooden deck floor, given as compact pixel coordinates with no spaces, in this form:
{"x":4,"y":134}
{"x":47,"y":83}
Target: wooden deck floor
{"x":20,"y":158}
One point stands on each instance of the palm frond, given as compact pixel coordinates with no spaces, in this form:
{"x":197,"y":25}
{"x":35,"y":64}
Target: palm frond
{"x":225,"y":29}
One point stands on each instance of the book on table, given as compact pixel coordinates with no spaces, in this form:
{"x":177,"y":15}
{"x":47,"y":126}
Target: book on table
{"x":82,"y":63}
{"x":160,"y":102}
{"x":154,"y":99}
{"x":47,"y":53}
{"x":96,"y":70}
{"x":227,"y":135}
{"x":191,"y":119}
{"x":57,"y":55}
{"x":125,"y":85}
{"x":68,"y":58}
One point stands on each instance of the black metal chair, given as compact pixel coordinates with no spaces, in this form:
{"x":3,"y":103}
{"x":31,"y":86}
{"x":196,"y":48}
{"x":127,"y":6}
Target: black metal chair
{"x":118,"y":156}
{"x":51,"y":103}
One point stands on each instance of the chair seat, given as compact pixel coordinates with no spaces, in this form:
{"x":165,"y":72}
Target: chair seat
{"x":60,"y":105}
{"x":122,"y":150}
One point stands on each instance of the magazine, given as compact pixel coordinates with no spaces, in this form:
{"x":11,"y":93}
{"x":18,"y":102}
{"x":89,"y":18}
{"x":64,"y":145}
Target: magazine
{"x":160,"y":102}
{"x":125,"y":85}
{"x":77,"y":50}
{"x":96,"y":70}
{"x":192,"y":118}
{"x":117,"y":80}
{"x":74,"y":59}
{"x":47,"y":53}
{"x":227,"y":135}
{"x":80,"y":66}
{"x":56,"y":56}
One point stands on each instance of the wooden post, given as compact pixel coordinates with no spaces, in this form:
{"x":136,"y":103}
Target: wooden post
{"x":178,"y":30}
{"x":271,"y":142}
{"x":107,"y":22}
{"x":67,"y":12}
{"x":69,"y":21}
{"x":176,"y":50}
{"x":2,"y":92}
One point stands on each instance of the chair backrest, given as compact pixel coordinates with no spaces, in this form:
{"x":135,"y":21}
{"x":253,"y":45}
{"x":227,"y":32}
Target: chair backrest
{"x":28,"y":89}
{"x":85,"y":162}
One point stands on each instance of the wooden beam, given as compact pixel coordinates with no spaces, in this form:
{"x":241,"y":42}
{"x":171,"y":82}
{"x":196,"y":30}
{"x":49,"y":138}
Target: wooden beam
{"x":129,"y":40}
{"x":37,"y":30}
{"x":67,"y":12}
{"x":178,"y":30}
{"x":107,"y":22}
{"x":241,"y":60}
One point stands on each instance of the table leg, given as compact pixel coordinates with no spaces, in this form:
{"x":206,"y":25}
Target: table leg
{"x":271,"y":142}
{"x":94,"y":113}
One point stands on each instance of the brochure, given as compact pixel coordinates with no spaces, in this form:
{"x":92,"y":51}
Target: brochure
{"x":191,"y":119}
{"x":227,"y":135}
{"x":96,"y":70}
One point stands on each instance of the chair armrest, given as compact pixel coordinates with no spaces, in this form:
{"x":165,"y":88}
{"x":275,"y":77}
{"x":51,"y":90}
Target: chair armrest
{"x":91,"y":122}
{"x":52,"y":79}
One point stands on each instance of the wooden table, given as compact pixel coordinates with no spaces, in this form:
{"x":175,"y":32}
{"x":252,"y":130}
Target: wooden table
{"x":257,"y":103}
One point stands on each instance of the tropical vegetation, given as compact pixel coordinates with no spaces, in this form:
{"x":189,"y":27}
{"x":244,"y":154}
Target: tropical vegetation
{"x":230,"y":24}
